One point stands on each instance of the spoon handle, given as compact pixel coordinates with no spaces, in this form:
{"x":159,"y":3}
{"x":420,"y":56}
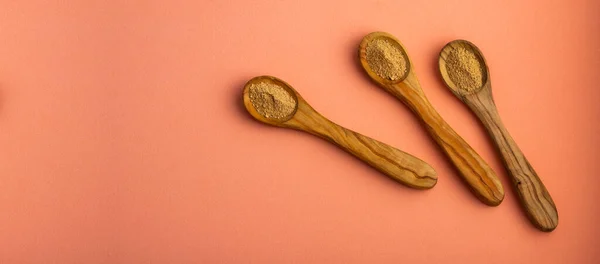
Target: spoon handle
{"x":398,"y":165}
{"x":534,"y":196}
{"x":473,"y":169}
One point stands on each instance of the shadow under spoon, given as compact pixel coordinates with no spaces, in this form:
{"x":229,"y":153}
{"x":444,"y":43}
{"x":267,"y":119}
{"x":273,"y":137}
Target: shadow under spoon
{"x":386,"y":61}
{"x":392,"y":162}
{"x":466,"y":74}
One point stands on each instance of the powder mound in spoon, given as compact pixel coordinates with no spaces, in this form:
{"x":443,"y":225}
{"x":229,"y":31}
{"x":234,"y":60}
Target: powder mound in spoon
{"x":386,"y":59}
{"x":271,"y":100}
{"x":464,"y":69}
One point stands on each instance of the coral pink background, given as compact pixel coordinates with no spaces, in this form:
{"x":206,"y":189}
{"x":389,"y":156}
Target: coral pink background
{"x":123,"y":139}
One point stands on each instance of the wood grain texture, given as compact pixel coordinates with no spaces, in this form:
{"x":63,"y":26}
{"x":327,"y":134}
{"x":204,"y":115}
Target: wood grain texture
{"x":398,"y":165}
{"x":478,"y":175}
{"x":533,"y":195}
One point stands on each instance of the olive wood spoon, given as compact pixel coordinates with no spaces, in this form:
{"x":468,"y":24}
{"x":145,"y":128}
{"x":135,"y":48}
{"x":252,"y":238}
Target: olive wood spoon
{"x":534,"y":196}
{"x":396,"y":164}
{"x":474,"y":170}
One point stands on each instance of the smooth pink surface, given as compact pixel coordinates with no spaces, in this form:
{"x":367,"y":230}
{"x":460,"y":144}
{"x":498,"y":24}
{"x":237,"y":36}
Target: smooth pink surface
{"x":123,"y":138}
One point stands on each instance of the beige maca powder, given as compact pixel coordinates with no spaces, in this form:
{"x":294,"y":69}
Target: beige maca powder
{"x":464,"y":69}
{"x":386,"y":59}
{"x":271,"y":100}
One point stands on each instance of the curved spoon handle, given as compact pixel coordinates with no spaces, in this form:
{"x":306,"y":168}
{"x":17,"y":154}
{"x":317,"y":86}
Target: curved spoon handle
{"x":474,"y":170}
{"x":398,"y":165}
{"x":534,"y":196}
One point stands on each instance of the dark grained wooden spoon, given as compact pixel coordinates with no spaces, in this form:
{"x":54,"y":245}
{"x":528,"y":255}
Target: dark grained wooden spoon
{"x":532,"y":193}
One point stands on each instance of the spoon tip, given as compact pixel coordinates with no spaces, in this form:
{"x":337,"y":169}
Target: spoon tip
{"x":270,"y":100}
{"x":384,"y":58}
{"x":463,"y":67}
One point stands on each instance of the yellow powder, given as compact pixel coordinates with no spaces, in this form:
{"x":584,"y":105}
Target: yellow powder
{"x":464,"y":69}
{"x":386,"y":59}
{"x":271,"y":100}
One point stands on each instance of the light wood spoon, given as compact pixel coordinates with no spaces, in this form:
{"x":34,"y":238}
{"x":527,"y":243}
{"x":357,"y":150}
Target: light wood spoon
{"x":392,"y":162}
{"x":474,"y":170}
{"x":533,"y":195}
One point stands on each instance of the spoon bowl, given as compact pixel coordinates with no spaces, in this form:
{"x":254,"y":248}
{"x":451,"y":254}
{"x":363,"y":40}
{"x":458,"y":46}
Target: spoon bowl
{"x":396,"y":164}
{"x":370,"y":62}
{"x":275,"y":82}
{"x":445,"y":63}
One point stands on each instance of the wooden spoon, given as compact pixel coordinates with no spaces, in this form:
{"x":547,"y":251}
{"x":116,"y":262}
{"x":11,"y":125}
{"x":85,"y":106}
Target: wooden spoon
{"x":533,"y":194}
{"x":392,"y":162}
{"x":474,"y":170}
